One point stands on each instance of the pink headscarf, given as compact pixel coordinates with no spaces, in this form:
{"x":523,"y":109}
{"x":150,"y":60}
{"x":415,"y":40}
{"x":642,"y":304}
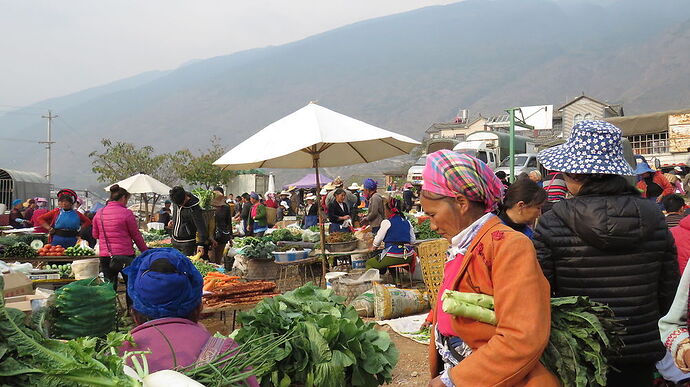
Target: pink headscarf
{"x":451,"y":174}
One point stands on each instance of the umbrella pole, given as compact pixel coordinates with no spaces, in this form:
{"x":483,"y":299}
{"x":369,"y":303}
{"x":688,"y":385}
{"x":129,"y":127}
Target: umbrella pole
{"x":322,"y":230}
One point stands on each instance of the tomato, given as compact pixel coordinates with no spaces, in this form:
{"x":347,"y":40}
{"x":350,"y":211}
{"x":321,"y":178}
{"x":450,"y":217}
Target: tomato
{"x":41,"y":253}
{"x":47,"y":246}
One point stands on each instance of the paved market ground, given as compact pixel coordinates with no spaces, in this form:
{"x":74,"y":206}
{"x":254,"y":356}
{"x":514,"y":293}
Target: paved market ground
{"x":412,"y":369}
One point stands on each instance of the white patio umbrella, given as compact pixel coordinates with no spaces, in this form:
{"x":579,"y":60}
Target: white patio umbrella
{"x":143,"y":184}
{"x":271,"y":183}
{"x":314,"y":137}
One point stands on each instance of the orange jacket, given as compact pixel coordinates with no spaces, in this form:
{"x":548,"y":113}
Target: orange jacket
{"x":502,"y":263}
{"x":661,"y":180}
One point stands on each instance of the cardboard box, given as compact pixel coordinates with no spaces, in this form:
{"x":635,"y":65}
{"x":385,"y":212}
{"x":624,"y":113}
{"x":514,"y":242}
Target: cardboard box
{"x":22,"y":303}
{"x":17,"y":284}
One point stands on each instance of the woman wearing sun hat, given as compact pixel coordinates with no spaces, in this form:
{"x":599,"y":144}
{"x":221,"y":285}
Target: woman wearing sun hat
{"x":653,"y":184}
{"x":610,"y":244}
{"x":312,"y":211}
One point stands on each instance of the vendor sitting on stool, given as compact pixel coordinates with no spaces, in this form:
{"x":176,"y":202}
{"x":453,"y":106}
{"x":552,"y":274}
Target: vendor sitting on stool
{"x":339,"y":213}
{"x":397,"y":234}
{"x":63,"y":223}
{"x":166,"y":290}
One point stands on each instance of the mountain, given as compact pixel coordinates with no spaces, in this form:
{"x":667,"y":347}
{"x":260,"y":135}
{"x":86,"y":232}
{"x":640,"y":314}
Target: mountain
{"x":401,"y":72}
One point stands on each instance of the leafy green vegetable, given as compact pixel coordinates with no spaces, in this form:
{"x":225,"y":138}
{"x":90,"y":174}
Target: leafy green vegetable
{"x":332,"y":346}
{"x":84,"y":308}
{"x":205,"y":196}
{"x":29,"y":359}
{"x":20,"y":250}
{"x":425,"y":232}
{"x":204,"y":267}
{"x":284,"y":234}
{"x":255,"y":248}
{"x":583,"y":334}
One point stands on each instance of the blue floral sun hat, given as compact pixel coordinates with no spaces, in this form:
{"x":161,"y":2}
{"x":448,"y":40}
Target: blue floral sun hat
{"x":593,"y":147}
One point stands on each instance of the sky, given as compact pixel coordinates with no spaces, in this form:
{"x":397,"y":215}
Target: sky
{"x":53,"y":48}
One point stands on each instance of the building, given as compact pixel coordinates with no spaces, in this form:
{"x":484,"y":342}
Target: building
{"x":457,"y":130}
{"x":21,"y":185}
{"x":584,"y":108}
{"x":662,"y":137}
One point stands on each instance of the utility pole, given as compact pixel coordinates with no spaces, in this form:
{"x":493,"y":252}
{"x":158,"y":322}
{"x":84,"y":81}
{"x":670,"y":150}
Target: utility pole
{"x":49,"y":141}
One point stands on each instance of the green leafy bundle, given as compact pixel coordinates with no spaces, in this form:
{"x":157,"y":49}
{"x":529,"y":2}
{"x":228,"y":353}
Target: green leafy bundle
{"x":153,"y":236}
{"x":583,"y":334}
{"x":332,"y":345}
{"x":29,"y":359}
{"x":255,"y":248}
{"x":84,"y":308}
{"x":204,"y":267}
{"x":424,"y":231}
{"x":205,"y":196}
{"x":284,"y":234}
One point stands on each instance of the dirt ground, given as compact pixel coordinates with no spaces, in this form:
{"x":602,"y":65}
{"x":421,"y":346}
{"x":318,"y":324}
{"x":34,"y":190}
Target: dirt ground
{"x":412,"y":369}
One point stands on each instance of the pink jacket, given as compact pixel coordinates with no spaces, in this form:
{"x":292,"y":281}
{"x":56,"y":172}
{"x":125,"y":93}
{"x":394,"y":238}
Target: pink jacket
{"x":681,"y":234}
{"x":174,"y":342}
{"x":120,"y":229}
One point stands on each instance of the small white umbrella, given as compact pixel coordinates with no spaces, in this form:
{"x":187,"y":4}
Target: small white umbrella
{"x":143,"y":184}
{"x":271,"y":183}
{"x":314,"y":136}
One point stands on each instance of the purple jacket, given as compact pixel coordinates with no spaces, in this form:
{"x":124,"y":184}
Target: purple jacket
{"x":186,"y":338}
{"x":120,"y":230}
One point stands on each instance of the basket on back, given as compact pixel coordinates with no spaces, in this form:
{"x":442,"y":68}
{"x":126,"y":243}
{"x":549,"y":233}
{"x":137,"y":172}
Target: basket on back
{"x":432,"y":255}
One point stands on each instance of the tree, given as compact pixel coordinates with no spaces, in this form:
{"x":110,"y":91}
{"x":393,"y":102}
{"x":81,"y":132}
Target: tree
{"x":121,"y":160}
{"x":199,"y":169}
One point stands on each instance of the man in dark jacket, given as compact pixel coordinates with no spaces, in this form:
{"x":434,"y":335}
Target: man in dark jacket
{"x":189,"y":231}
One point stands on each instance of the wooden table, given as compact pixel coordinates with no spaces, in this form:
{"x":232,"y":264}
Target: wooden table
{"x":234,"y":309}
{"x":301,"y":263}
{"x":53,"y":282}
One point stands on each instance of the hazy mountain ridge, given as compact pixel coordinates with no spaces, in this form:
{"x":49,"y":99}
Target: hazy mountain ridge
{"x":401,"y":72}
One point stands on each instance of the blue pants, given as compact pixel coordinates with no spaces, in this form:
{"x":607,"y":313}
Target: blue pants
{"x":310,"y":220}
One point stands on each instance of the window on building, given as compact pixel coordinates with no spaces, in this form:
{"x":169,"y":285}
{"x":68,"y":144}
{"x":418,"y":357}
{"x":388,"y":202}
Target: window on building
{"x":588,"y":116}
{"x":577,"y":118}
{"x":460,"y":137}
{"x":532,"y":163}
{"x":646,"y":144}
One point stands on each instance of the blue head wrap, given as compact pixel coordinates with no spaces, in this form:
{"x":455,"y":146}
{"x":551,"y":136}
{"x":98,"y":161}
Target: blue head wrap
{"x":254,"y":195}
{"x":16,"y":201}
{"x":370,"y":184}
{"x":159,"y":295}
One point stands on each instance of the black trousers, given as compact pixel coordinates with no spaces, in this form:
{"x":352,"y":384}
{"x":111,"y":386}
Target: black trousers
{"x":112,"y":266}
{"x":186,"y":248}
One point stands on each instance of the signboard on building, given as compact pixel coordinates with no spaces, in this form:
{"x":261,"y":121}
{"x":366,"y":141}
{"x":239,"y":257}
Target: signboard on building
{"x":679,"y":132}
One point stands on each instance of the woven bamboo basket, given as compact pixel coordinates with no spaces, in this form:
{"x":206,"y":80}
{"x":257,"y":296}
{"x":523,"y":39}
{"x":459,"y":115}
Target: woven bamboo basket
{"x":432,"y":255}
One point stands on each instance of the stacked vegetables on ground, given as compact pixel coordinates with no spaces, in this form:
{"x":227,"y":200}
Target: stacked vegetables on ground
{"x":51,"y":251}
{"x":19,"y":250}
{"x":331,"y":346}
{"x":228,"y":291}
{"x":84,"y":308}
{"x":28,"y":358}
{"x":77,"y":251}
{"x":583,"y":334}
{"x":65,"y":270}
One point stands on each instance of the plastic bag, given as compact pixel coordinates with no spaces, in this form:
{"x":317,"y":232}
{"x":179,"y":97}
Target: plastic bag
{"x":84,"y":308}
{"x":364,"y":304}
{"x":310,"y":236}
{"x":86,"y":268}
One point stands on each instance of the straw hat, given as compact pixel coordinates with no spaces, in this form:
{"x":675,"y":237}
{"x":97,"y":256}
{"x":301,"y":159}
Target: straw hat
{"x":324,"y":191}
{"x":285,"y":193}
{"x":354,"y":187}
{"x":310,"y":197}
{"x":338,"y":182}
{"x":291,"y":188}
{"x":329,"y":187}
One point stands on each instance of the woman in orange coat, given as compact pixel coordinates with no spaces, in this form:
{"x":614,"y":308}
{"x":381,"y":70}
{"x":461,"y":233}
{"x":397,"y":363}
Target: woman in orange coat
{"x":486,"y":257}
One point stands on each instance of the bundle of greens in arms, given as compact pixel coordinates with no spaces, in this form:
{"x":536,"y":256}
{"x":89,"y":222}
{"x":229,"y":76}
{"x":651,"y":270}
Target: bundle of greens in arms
{"x":583,"y":334}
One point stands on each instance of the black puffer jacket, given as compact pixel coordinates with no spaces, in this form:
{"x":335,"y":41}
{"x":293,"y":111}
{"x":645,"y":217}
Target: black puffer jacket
{"x":616,"y":250}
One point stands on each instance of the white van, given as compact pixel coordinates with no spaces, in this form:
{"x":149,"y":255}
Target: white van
{"x":414,"y":174}
{"x":524,"y":162}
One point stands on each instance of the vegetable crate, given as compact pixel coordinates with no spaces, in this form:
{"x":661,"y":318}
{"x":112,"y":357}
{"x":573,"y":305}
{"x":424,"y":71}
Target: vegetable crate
{"x":432,"y":255}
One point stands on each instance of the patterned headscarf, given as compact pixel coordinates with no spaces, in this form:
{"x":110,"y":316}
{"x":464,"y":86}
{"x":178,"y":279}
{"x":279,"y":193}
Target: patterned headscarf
{"x":393,"y":206}
{"x":449,"y":173}
{"x":370,"y":184}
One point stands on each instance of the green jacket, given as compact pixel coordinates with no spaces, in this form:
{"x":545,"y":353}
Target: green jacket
{"x":260,"y":219}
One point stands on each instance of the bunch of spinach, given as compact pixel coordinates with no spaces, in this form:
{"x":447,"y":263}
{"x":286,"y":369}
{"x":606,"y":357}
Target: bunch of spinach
{"x":29,"y":359}
{"x":255,"y":248}
{"x":424,"y":231}
{"x":332,"y":345}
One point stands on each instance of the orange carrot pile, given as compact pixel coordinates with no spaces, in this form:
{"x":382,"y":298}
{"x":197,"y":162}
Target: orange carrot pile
{"x":215,"y":281}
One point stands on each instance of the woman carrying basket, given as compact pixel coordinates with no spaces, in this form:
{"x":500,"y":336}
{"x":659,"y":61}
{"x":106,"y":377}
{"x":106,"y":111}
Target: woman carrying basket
{"x":487,"y":257}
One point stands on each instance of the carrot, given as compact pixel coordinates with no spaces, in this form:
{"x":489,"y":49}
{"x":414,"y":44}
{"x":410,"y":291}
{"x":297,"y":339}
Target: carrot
{"x":209,"y":286}
{"x":215,"y":274}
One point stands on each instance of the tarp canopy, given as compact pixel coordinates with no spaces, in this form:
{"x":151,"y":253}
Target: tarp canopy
{"x":142,"y":184}
{"x":309,"y":181}
{"x":644,"y":123}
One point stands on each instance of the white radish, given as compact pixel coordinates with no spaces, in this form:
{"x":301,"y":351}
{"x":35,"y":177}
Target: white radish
{"x":169,"y":378}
